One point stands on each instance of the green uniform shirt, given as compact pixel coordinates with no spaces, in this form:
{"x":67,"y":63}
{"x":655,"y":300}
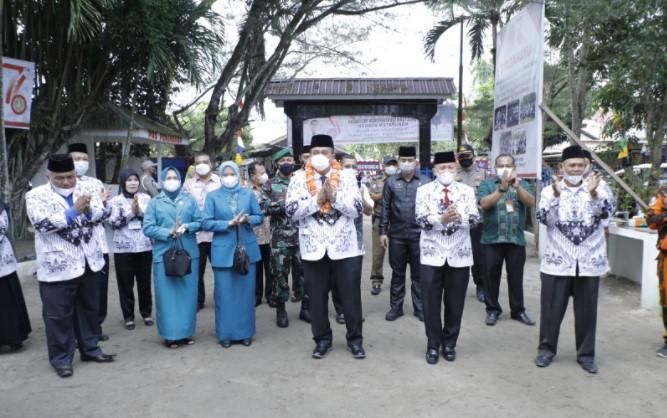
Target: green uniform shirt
{"x":500,"y":225}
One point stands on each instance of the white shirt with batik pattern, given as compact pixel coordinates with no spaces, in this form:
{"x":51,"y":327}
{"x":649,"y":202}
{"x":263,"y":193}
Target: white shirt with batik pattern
{"x":575,"y":230}
{"x":449,"y":242}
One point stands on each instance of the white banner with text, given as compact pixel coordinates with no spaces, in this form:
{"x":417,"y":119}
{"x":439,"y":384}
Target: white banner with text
{"x":517,"y":121}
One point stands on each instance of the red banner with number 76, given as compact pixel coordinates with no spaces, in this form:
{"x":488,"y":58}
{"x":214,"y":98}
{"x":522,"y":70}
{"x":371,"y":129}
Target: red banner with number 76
{"x":17,"y":84}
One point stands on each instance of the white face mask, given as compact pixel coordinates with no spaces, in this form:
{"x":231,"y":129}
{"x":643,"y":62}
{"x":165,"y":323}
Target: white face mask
{"x":407,"y":168}
{"x":171,"y":185}
{"x":202,"y":169}
{"x":446,"y":178}
{"x":320,"y":162}
{"x":351,"y":171}
{"x":263,"y":178}
{"x":500,"y":172}
{"x":63,"y":192}
{"x":81,"y":167}
{"x":229,"y":181}
{"x":390,"y":170}
{"x":573,"y":180}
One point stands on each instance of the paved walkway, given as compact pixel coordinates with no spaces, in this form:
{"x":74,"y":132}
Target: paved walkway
{"x":493,"y":376}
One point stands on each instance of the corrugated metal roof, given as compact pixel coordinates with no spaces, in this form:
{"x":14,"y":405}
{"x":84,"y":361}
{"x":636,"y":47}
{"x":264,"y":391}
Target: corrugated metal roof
{"x":426,"y":87}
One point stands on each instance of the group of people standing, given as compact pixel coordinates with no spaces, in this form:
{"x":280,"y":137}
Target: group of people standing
{"x":310,"y":222}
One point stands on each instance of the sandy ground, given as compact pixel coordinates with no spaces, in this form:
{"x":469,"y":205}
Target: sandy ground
{"x":493,"y":375}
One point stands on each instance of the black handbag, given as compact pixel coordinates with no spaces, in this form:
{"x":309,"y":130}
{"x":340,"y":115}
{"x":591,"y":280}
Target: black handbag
{"x":241,"y":260}
{"x":177,"y":261}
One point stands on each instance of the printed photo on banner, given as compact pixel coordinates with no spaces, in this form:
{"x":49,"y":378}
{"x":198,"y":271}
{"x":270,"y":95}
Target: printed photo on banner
{"x":499,"y":119}
{"x":528,"y":108}
{"x":518,"y":85}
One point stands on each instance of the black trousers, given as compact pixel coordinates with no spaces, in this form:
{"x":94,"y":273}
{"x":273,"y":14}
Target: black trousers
{"x":335,"y":293}
{"x":131,"y":267}
{"x":263,"y":269}
{"x":70,"y":310}
{"x":514,"y":257}
{"x":320,"y":277}
{"x":401,"y":252}
{"x":204,"y":254}
{"x":477,"y":255}
{"x":554,"y":297}
{"x":446,"y":285}
{"x":104,"y":291}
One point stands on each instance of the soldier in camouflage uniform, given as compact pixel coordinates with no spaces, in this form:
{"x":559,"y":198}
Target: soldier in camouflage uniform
{"x":472,"y":175}
{"x":284,"y":239}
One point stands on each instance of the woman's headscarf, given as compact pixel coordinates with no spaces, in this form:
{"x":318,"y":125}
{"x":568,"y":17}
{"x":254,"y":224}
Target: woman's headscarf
{"x":163,"y":176}
{"x":234,"y":167}
{"x":124,"y":175}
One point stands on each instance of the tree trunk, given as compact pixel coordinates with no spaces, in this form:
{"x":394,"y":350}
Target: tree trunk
{"x":125,"y":150}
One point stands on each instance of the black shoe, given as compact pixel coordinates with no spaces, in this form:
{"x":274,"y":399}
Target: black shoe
{"x":129,"y":325}
{"x":148,"y":321}
{"x":357,"y":351}
{"x":321,"y":350}
{"x":296,"y":298}
{"x":226,"y":343}
{"x":524,"y":319}
{"x":19,"y":346}
{"x":66,"y":371}
{"x":491,"y":318}
{"x":100,"y":358}
{"x":281,"y":316}
{"x":420,"y":315}
{"x":394,"y":314}
{"x":480,"y":294}
{"x":376,"y":289}
{"x":432,"y":356}
{"x":247,"y":342}
{"x":660,"y":353}
{"x":588,"y":365}
{"x":200,"y":306}
{"x":340,"y":318}
{"x":448,"y":353}
{"x":272,"y":303}
{"x":304,"y":314}
{"x":542,"y":361}
{"x":103,"y":337}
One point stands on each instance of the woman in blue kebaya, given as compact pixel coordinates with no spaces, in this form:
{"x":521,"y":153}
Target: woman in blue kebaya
{"x":168,"y":215}
{"x":226,"y":209}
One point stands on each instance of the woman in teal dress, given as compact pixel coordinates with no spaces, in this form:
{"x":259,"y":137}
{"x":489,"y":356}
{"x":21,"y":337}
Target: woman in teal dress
{"x":169,"y":214}
{"x":226,"y":209}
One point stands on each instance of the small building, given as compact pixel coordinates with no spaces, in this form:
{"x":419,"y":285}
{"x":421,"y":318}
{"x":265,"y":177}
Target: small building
{"x":361,"y":110}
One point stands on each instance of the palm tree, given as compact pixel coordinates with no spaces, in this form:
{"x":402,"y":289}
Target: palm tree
{"x":163,"y":41}
{"x":478,"y":15}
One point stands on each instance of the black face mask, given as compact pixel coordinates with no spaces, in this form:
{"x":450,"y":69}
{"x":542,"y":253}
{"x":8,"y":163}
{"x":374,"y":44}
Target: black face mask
{"x":466,"y":163}
{"x":286,"y":169}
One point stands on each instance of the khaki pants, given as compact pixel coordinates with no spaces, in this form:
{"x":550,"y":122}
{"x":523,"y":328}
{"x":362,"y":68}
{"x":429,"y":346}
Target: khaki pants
{"x":378,"y":253}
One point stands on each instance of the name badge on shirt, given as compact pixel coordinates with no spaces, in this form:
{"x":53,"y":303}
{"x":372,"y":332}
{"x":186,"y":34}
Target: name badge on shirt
{"x":133,"y":225}
{"x":509,"y":206}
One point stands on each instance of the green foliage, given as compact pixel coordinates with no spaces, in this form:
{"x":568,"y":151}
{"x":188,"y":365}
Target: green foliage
{"x":193,"y":122}
{"x":480,"y":17}
{"x":633,"y":84}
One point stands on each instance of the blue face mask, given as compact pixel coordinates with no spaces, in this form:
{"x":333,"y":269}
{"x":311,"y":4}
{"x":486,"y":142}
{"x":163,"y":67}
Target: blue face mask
{"x":286,"y":169}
